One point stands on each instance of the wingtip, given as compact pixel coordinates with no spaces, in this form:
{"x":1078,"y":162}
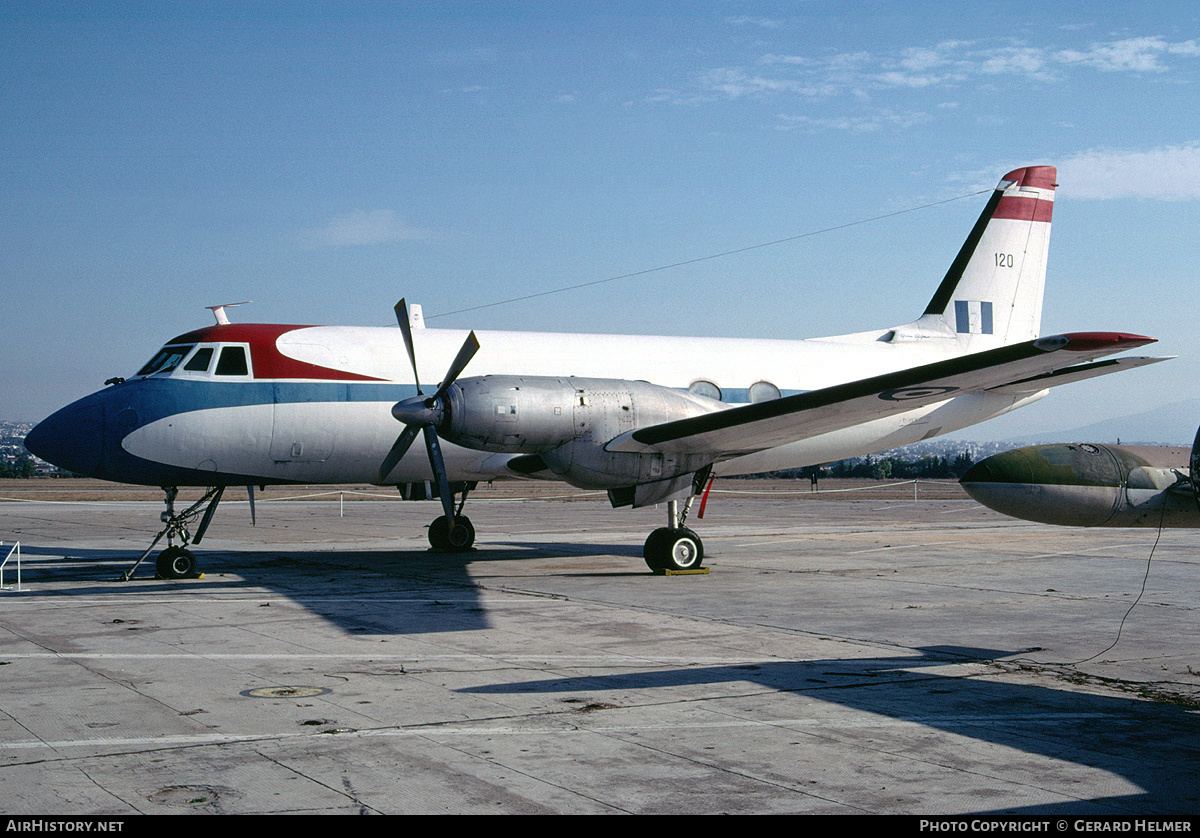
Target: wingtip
{"x":1088,"y":341}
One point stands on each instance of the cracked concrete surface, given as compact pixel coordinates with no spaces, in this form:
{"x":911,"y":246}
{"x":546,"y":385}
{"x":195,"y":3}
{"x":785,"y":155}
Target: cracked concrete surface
{"x":854,"y":653}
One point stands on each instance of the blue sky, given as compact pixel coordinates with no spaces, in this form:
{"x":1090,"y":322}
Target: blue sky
{"x":324,"y":160}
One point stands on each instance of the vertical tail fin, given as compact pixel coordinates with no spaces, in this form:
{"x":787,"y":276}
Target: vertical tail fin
{"x":992,"y":293}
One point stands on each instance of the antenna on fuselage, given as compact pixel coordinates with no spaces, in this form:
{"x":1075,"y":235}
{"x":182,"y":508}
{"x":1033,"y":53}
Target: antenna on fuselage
{"x":219,"y":311}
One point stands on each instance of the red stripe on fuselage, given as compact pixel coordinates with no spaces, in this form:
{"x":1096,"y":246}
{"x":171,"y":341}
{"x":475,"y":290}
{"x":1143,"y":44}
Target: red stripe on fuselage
{"x":268,"y":361}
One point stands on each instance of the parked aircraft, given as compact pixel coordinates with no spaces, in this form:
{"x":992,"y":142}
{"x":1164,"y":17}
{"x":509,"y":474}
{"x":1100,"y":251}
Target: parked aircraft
{"x":1091,"y":485}
{"x":648,"y":419}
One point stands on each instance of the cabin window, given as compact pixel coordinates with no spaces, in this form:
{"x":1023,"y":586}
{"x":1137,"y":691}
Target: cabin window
{"x":167,"y":359}
{"x":706,"y":389}
{"x":233,"y":361}
{"x":763,"y":391}
{"x":200,"y":361}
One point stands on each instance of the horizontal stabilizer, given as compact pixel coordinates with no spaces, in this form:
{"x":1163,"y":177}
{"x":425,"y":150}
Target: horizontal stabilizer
{"x":755,"y":427}
{"x":1080,"y":372}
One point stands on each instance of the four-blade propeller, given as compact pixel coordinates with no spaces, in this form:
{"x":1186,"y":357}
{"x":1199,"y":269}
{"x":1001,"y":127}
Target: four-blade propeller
{"x":422,"y":413}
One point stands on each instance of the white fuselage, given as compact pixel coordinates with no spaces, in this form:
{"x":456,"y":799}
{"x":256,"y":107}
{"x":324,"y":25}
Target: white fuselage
{"x":338,"y":430}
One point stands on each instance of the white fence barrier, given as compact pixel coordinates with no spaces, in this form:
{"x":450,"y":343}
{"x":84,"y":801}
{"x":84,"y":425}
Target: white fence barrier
{"x":15,"y":549}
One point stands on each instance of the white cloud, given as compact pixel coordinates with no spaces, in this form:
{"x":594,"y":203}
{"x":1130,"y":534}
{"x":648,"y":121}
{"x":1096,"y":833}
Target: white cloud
{"x":855,"y":124}
{"x":1190,"y":48}
{"x":946,"y":64}
{"x":746,"y":20}
{"x":360,"y":227}
{"x":894,"y":78}
{"x":919,"y":59}
{"x":1023,"y":61}
{"x":734,"y":83}
{"x":1137,"y":54}
{"x":1170,"y":173}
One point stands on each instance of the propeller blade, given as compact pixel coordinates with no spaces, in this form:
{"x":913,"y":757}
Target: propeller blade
{"x":399,"y":448}
{"x":465,"y":354}
{"x":418,"y":415}
{"x":439,"y":471}
{"x":406,"y":331}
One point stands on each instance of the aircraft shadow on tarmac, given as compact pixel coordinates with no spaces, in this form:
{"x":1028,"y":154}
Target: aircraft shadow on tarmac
{"x":1151,"y":744}
{"x":356,"y":590}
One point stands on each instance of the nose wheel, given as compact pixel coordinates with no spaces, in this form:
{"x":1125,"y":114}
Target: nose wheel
{"x":176,"y":563}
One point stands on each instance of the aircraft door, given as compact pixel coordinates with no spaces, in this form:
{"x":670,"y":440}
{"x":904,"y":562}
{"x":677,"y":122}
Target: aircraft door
{"x":305,"y":425}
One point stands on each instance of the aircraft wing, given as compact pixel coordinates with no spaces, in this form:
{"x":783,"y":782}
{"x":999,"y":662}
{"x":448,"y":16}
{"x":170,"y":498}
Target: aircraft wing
{"x":1079,"y":372}
{"x":1030,"y":366}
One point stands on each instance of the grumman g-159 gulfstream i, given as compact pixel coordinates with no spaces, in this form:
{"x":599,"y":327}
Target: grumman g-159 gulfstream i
{"x":647,"y":419}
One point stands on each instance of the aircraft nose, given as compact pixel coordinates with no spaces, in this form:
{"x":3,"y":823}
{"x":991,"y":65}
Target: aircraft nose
{"x":71,"y":438}
{"x":1009,"y":467}
{"x":1054,"y":484}
{"x":1003,"y":482}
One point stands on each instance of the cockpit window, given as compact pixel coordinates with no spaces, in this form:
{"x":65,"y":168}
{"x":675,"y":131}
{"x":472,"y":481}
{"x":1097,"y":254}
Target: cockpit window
{"x":200,"y":361}
{"x":167,"y":359}
{"x":233,"y":361}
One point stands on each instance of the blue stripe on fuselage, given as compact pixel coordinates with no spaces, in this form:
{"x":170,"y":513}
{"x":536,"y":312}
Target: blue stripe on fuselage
{"x":156,"y":398}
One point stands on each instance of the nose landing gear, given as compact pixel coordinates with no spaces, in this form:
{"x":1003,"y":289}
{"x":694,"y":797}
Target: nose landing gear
{"x":176,"y":561}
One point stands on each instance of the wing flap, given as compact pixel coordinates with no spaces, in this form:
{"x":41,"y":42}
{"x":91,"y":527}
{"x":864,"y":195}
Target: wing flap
{"x":763,"y":425}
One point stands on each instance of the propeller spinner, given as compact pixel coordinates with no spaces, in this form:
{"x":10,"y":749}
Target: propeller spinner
{"x":422,"y":413}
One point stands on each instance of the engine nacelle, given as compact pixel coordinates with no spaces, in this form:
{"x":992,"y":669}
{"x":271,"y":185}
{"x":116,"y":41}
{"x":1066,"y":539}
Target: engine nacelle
{"x":567,"y":422}
{"x":1087,"y":485}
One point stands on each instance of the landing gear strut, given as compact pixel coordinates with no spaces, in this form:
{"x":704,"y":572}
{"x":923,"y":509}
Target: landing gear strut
{"x":176,"y":561}
{"x":674,"y":547}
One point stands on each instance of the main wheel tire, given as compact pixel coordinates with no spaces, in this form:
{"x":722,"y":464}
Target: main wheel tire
{"x":668,"y":549}
{"x":176,"y":563}
{"x":458,"y":540}
{"x":655,"y":550}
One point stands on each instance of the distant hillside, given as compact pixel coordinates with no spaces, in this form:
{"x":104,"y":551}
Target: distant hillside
{"x":1172,"y":424}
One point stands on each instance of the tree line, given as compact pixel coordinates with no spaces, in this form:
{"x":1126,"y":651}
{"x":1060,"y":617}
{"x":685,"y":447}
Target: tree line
{"x":19,"y":467}
{"x":928,"y":467}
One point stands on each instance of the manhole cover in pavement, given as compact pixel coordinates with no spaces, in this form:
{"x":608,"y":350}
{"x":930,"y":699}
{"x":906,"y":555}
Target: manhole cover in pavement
{"x":284,"y":692}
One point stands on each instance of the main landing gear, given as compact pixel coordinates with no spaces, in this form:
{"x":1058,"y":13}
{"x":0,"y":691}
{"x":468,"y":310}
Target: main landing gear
{"x":447,"y":539}
{"x":456,"y":537}
{"x":176,"y":561}
{"x":674,"y":547}
{"x":443,"y":537}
